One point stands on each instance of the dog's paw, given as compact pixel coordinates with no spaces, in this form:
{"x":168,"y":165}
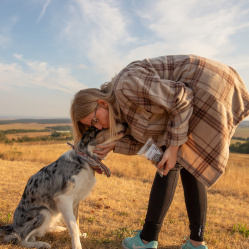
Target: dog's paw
{"x":78,"y":247}
{"x":42,"y":245}
{"x":38,"y":244}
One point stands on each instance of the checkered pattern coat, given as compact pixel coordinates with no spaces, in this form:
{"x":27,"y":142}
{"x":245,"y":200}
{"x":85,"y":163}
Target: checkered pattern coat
{"x":182,"y":100}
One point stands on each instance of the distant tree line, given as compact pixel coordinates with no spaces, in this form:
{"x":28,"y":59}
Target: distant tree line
{"x":56,"y":136}
{"x":60,"y":128}
{"x":240,"y":147}
{"x":16,"y":131}
{"x":241,"y":138}
{"x":58,"y":133}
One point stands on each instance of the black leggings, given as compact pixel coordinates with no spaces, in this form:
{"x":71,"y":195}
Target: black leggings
{"x":161,"y":196}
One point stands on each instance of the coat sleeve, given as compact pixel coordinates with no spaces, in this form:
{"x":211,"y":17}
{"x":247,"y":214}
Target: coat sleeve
{"x":128,"y":145}
{"x":143,"y":87}
{"x":177,"y":100}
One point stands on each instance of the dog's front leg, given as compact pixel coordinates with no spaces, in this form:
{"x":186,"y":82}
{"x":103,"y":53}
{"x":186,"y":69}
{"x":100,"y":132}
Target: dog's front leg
{"x":66,"y":208}
{"x":76,"y":214}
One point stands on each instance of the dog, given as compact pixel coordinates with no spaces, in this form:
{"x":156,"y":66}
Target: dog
{"x":55,"y":192}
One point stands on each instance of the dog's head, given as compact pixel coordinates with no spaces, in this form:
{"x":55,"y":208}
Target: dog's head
{"x":93,"y":137}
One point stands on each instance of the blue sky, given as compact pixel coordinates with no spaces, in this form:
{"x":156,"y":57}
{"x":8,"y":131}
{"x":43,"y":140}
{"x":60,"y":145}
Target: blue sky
{"x":50,"y":49}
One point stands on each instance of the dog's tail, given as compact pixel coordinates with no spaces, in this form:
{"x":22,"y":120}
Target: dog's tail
{"x":9,"y":236}
{"x":6,"y":230}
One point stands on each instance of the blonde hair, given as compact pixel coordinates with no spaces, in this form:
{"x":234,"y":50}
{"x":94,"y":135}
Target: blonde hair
{"x":85,"y":102}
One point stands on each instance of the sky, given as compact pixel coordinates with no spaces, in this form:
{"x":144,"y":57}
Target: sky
{"x":50,"y":49}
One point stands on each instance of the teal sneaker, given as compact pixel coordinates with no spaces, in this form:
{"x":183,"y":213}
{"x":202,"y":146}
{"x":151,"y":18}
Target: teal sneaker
{"x":188,"y":245}
{"x":137,"y":243}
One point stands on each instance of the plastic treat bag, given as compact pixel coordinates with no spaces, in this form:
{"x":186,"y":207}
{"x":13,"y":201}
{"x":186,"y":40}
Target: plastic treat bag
{"x":152,"y":153}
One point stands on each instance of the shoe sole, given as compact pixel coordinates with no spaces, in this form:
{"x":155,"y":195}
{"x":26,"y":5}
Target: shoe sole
{"x":124,"y":246}
{"x":183,"y":248}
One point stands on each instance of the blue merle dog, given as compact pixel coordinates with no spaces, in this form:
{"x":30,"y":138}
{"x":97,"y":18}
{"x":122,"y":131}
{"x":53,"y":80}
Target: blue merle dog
{"x":54,"y":193}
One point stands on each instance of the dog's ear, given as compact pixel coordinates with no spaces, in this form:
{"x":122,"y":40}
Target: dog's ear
{"x":87,"y":136}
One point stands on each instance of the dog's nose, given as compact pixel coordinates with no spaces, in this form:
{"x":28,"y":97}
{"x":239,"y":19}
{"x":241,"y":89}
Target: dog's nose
{"x":125,"y":126}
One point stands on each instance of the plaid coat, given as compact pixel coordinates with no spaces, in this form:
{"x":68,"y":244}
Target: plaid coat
{"x":182,"y":100}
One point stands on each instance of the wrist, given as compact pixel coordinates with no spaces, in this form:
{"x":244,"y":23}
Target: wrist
{"x":173,"y":147}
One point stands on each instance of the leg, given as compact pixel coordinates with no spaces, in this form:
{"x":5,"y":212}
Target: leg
{"x":37,"y":227}
{"x":76,"y":214}
{"x":196,"y":203}
{"x":161,"y":196}
{"x":66,"y":208}
{"x":38,"y":244}
{"x":32,"y":239}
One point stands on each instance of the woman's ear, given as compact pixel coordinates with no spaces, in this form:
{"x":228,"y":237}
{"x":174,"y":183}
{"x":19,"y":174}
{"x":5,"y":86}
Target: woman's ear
{"x":103,"y":103}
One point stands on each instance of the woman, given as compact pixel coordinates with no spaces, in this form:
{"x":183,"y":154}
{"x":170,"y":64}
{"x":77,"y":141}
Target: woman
{"x":191,"y":107}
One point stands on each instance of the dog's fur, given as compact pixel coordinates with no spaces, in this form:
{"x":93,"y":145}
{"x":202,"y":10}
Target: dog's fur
{"x":55,"y":192}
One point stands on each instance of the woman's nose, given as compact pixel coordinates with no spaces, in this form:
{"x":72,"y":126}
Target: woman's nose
{"x":98,"y":126}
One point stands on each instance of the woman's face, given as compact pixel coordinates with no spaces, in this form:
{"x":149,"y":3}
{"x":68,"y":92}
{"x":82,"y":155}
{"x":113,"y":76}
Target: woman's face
{"x":99,"y":117}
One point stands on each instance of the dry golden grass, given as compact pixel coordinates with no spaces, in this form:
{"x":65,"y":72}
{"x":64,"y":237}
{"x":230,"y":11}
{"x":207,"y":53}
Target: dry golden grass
{"x":117,"y":205}
{"x":27,"y":134}
{"x":29,"y":126}
{"x":44,"y":152}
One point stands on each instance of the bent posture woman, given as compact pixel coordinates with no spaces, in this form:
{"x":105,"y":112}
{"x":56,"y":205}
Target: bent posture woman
{"x":191,"y":107}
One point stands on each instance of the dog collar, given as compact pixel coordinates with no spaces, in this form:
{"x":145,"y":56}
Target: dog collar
{"x":93,"y":162}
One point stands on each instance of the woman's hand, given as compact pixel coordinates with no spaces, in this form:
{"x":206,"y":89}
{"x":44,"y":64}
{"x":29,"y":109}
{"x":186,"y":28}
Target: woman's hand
{"x":168,"y":160}
{"x":103,"y":150}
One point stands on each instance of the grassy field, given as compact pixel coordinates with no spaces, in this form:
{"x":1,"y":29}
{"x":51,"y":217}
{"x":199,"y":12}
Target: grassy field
{"x":29,"y":126}
{"x":117,"y":205}
{"x":30,"y":134}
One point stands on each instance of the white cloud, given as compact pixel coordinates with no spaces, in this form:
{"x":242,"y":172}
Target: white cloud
{"x":101,"y":29}
{"x":98,"y":28}
{"x":5,"y":32}
{"x":202,"y":27}
{"x":33,"y":74}
{"x":108,"y":34}
{"x":43,"y":10}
